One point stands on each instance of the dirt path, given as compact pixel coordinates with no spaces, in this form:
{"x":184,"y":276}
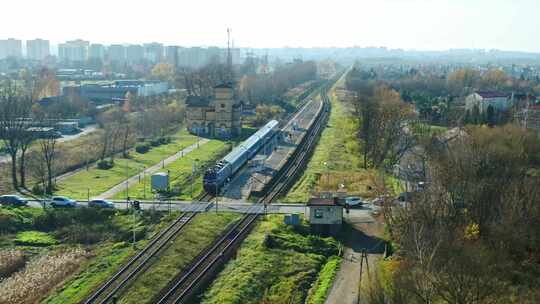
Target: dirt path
{"x":363,"y":232}
{"x":136,"y":178}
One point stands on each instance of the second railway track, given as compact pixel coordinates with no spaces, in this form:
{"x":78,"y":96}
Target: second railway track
{"x":137,"y":264}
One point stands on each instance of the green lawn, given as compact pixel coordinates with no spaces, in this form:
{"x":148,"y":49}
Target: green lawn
{"x":340,"y":149}
{"x":95,"y":181}
{"x":180,"y":173}
{"x":195,"y":237}
{"x":275,"y":264}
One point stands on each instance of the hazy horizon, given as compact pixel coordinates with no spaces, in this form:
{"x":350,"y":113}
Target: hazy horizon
{"x":410,"y":25}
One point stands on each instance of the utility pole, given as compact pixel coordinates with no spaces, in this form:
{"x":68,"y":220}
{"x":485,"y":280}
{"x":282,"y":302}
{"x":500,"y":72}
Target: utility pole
{"x":193,"y":171}
{"x":127,"y":180}
{"x":134,"y":211}
{"x":363,"y":258}
{"x":144,"y":182}
{"x":217,"y":194}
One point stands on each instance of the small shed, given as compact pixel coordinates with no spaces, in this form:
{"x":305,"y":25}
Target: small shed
{"x":325,"y":216}
{"x":160,"y":181}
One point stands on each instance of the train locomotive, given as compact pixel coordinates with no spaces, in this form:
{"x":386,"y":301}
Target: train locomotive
{"x":223,"y":170}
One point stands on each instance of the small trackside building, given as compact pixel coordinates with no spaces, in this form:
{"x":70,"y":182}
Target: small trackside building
{"x":325,"y":216}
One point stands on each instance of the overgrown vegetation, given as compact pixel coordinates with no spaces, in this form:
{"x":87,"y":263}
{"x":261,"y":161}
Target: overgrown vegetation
{"x":337,"y":157}
{"x":275,"y":264}
{"x":94,"y":241}
{"x":40,"y":275}
{"x":11,"y":260}
{"x":321,"y":287}
{"x":34,"y":238}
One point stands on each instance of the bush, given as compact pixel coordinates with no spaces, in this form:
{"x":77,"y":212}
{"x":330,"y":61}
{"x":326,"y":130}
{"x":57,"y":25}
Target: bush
{"x":35,"y":238}
{"x":83,"y":234}
{"x":142,"y":148}
{"x":165,"y":140}
{"x":37,"y":189}
{"x":13,"y":219}
{"x":155,"y":142}
{"x":105,"y":164}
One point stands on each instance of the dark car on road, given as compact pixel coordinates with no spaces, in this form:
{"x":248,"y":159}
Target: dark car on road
{"x":100,"y":203}
{"x":13,"y":200}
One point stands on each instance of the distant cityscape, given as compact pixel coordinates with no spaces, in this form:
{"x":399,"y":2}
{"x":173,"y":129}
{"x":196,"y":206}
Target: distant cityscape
{"x":77,"y":51}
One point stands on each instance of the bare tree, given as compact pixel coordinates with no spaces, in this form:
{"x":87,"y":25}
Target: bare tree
{"x":48,"y":153}
{"x":14,"y":113}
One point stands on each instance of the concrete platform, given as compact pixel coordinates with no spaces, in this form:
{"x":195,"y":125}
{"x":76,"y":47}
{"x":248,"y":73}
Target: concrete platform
{"x":262,"y":168}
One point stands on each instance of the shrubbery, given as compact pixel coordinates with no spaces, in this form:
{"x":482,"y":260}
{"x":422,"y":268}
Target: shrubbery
{"x":105,"y":164}
{"x":37,"y":189}
{"x":35,"y":238}
{"x":145,"y":146}
{"x":142,"y":147}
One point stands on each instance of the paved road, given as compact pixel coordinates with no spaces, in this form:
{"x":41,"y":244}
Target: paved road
{"x":234,"y":206}
{"x":148,"y":171}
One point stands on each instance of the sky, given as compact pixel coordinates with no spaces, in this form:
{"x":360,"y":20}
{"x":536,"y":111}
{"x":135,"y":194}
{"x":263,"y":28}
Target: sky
{"x":406,"y":24}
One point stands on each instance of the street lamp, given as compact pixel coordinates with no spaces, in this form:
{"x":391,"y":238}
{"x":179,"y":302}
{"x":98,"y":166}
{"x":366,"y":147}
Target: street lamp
{"x":327,"y":174}
{"x":127,"y":180}
{"x":144,"y":182}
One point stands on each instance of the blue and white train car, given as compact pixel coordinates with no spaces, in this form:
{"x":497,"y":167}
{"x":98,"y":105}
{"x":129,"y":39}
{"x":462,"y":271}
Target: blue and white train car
{"x":223,"y":170}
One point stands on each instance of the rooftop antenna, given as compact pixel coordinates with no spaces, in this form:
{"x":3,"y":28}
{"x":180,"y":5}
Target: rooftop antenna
{"x":229,"y":58}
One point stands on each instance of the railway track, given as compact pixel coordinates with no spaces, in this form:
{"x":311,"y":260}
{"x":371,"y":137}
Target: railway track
{"x":187,"y":283}
{"x":139,"y":262}
{"x":184,"y":285}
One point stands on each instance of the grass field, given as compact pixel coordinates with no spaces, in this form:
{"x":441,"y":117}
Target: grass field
{"x":275,"y":264}
{"x":180,"y":173}
{"x":195,"y":237}
{"x":95,"y":181}
{"x":337,"y":158}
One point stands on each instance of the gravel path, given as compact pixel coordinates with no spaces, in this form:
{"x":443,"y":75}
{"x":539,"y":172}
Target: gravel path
{"x":363,"y":236}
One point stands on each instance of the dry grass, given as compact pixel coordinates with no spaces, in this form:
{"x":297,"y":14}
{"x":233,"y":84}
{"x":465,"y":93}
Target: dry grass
{"x":357,"y":182}
{"x":41,"y":275}
{"x":10,"y":262}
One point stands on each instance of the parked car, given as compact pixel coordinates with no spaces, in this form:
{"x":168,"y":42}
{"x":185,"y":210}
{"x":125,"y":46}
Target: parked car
{"x":13,"y":200}
{"x":62,"y":201}
{"x":100,"y":203}
{"x":354,"y":201}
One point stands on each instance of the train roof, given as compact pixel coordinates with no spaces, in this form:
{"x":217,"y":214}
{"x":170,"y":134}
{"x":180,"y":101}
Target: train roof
{"x":237,"y":152}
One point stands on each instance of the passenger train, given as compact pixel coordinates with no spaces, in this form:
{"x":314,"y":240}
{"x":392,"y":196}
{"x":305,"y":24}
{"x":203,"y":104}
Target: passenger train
{"x":223,"y":170}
